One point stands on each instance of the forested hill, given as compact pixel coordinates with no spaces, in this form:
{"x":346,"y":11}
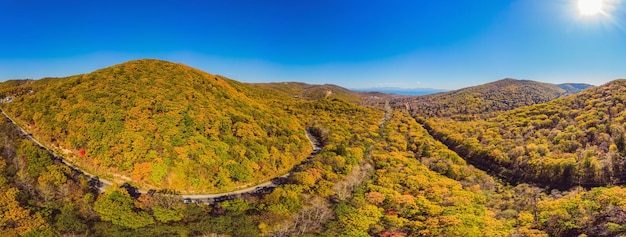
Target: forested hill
{"x":482,"y":100}
{"x":161,"y":124}
{"x":574,"y":87}
{"x":310,"y":92}
{"x":576,"y":140}
{"x":303,"y":91}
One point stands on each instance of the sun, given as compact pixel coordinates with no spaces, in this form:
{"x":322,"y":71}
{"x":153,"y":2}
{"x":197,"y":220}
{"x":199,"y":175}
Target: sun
{"x":590,"y":7}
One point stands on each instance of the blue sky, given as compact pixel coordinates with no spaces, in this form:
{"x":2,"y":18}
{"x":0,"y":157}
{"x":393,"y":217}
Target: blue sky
{"x":446,"y":44}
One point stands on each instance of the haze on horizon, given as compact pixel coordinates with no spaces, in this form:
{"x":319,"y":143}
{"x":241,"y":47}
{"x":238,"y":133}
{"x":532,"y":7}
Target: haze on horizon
{"x":355,"y":44}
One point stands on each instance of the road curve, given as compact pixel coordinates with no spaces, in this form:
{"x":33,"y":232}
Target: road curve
{"x":260,"y":187}
{"x":102,"y":184}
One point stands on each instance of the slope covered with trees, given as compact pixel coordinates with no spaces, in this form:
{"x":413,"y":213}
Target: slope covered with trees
{"x":576,"y":140}
{"x":160,"y":124}
{"x":406,"y":197}
{"x":574,"y":88}
{"x":380,"y":173}
{"x":41,"y":197}
{"x":299,"y":206}
{"x":483,"y":100}
{"x":311,"y":92}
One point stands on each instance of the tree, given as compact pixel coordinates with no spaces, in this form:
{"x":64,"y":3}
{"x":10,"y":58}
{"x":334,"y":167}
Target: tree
{"x":167,"y":215}
{"x":141,"y":171}
{"x":116,"y":205}
{"x":14,"y":219}
{"x":38,"y":159}
{"x":67,"y":221}
{"x":236,"y":205}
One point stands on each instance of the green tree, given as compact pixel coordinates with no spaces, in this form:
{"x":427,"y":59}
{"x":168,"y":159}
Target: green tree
{"x":167,"y":215}
{"x":116,"y":206}
{"x":68,"y":222}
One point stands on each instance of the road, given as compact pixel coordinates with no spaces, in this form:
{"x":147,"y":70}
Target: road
{"x":102,"y":184}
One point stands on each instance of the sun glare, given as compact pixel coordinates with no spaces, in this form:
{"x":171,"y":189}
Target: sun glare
{"x":590,"y":7}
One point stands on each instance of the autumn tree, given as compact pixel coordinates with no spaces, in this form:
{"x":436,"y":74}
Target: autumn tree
{"x":15,"y":220}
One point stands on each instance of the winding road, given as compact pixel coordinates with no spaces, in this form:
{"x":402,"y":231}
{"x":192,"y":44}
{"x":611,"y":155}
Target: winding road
{"x":101,"y":184}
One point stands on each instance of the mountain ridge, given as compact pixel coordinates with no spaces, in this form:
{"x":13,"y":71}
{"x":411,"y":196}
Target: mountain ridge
{"x":483,"y":100}
{"x":401,"y":91}
{"x":577,"y":140}
{"x":574,"y":87}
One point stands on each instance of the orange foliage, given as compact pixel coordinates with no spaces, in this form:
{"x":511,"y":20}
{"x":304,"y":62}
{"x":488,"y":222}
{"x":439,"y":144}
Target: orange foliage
{"x":141,"y":170}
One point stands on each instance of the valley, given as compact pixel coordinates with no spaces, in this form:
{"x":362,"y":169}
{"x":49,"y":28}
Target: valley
{"x":508,"y":158}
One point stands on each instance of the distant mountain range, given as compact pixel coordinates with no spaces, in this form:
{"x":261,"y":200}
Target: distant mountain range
{"x":401,"y":91}
{"x":573,"y":88}
{"x":570,"y":88}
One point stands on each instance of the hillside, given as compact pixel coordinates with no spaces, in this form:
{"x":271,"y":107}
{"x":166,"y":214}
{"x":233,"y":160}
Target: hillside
{"x":576,"y":140}
{"x":160,"y":124}
{"x":482,"y":100}
{"x":401,"y":91}
{"x":574,"y":88}
{"x":331,"y":185}
{"x":303,"y":91}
